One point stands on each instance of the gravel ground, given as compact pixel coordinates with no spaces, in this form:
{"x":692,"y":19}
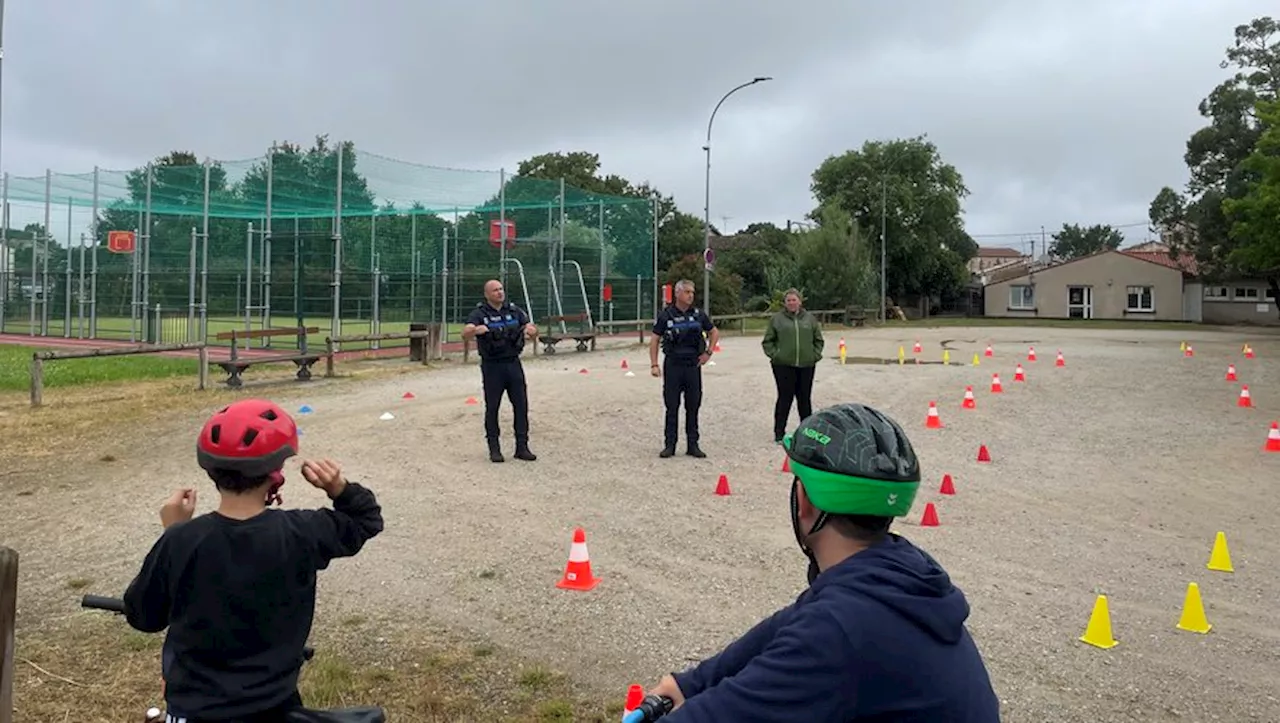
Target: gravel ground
{"x":1110,"y":475}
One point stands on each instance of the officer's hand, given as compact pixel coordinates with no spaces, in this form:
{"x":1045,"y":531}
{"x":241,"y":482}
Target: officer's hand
{"x":703,"y":359}
{"x":655,"y":370}
{"x":530,"y":330}
{"x":482,"y":329}
{"x":669,"y":688}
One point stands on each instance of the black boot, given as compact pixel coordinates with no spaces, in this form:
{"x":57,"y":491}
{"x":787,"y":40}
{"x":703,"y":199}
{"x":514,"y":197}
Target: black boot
{"x":523,"y":451}
{"x":696,"y":451}
{"x":668,"y":451}
{"x":495,"y":451}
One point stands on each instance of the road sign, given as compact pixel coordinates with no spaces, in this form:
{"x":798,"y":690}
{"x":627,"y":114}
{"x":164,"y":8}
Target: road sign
{"x":120,"y":242}
{"x":608,"y":292}
{"x":499,"y":229}
{"x":709,"y":259}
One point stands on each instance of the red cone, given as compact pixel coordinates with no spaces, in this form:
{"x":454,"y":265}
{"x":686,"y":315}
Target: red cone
{"x":1273,"y":439}
{"x":407,"y":395}
{"x":786,"y":464}
{"x":1231,"y":372}
{"x":948,"y":487}
{"x":722,"y":487}
{"x":968,"y":402}
{"x":983,"y":454}
{"x":930,"y":518}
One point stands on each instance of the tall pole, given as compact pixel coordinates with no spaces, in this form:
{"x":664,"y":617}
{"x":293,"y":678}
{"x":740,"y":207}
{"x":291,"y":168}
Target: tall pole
{"x":884,"y":205}
{"x":706,"y":225}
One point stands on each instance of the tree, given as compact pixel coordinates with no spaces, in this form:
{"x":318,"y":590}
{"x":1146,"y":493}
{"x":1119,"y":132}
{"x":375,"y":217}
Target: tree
{"x":1196,"y":222}
{"x":764,"y":246}
{"x":1074,"y":241}
{"x":1255,"y":218}
{"x":834,"y":265}
{"x":926,"y":246}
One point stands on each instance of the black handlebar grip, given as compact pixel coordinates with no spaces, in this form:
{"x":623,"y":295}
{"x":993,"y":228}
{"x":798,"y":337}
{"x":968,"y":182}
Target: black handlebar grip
{"x":113,"y":604}
{"x":308,"y":652}
{"x":654,"y":707}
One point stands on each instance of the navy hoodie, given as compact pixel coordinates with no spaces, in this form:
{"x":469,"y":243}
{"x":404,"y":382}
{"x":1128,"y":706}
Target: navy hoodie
{"x":879,"y":637}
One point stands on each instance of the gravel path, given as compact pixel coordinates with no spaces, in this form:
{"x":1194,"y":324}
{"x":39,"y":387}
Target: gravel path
{"x":1110,"y":475}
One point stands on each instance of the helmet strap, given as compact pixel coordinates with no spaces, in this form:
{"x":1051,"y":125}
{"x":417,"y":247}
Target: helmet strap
{"x":818,"y":524}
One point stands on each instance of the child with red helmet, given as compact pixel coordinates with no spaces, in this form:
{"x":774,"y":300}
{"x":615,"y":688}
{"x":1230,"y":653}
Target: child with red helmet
{"x":237,"y":587}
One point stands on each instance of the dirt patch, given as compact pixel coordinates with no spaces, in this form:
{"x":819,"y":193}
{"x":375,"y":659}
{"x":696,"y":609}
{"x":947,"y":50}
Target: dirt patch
{"x":1110,"y":475}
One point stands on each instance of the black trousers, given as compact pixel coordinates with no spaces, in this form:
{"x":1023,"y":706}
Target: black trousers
{"x":278,"y":714}
{"x":794,"y":383}
{"x":505,"y":377}
{"x":677,"y":380}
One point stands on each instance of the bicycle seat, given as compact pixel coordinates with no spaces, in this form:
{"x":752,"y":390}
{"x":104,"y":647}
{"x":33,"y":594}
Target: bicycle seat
{"x":363,"y":714}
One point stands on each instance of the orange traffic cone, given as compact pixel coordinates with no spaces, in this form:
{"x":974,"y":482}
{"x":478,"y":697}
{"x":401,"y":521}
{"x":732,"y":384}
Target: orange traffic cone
{"x":948,"y":487}
{"x":1189,"y":351}
{"x":716,"y":348}
{"x":1231,"y":372}
{"x":996,"y":388}
{"x":1273,"y":439}
{"x":407,"y":395}
{"x":933,"y":421}
{"x":983,"y":454}
{"x":624,"y":364}
{"x":969,"y":402}
{"x":916,"y":349}
{"x":1248,"y":352}
{"x":988,"y":352}
{"x":577,"y":573}
{"x":1018,"y":376}
{"x":1245,"y":400}
{"x":1031,"y":354}
{"x":930,"y":518}
{"x":472,"y":400}
{"x":786,"y":464}
{"x":1060,"y":362}
{"x":722,"y":486}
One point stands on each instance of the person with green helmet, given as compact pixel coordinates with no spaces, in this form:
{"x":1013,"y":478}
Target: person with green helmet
{"x":879,"y":634}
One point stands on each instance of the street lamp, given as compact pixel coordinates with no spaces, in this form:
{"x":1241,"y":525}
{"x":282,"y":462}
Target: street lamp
{"x":884,"y":208}
{"x":706,"y":240}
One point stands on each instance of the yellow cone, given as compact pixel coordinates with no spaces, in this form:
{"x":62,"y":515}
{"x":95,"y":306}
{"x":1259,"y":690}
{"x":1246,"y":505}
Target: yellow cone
{"x":1182,"y":346}
{"x":1193,"y":617}
{"x":975,"y":359}
{"x":946,"y":356}
{"x":1098,"y":634}
{"x":1220,"y":558}
{"x":902,"y":355}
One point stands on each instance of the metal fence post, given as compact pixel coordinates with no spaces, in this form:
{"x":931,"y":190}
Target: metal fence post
{"x":8,"y":622}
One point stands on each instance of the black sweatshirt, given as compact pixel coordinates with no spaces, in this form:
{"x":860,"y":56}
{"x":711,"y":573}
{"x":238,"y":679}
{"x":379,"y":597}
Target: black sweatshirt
{"x":238,"y":598}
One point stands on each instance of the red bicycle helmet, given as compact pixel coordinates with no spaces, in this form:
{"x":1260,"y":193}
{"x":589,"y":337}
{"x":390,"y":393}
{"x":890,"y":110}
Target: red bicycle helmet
{"x":253,"y":437}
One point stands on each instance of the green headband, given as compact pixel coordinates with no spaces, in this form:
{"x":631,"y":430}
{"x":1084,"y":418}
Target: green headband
{"x":842,"y":494}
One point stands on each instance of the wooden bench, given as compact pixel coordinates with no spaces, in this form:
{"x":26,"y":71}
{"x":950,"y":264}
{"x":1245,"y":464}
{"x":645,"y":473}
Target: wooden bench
{"x":584,"y":335}
{"x":235,"y":366}
{"x":855,"y":316}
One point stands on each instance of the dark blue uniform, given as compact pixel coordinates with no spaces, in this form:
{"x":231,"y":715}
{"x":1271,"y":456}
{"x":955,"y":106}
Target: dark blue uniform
{"x":502,"y":371}
{"x":684,"y":339}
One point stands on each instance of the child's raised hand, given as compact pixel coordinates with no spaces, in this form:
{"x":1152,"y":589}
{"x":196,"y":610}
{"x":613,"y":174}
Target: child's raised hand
{"x":325,"y":474}
{"x":180,"y":506}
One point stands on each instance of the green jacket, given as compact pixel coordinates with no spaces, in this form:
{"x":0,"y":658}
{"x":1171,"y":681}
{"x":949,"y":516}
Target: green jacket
{"x":793,"y":340}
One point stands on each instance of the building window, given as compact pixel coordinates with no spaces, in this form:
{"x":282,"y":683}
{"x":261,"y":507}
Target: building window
{"x":1248,"y":293}
{"x":1215,"y":292}
{"x":1022,"y":297}
{"x":1269,"y":295}
{"x":1141,"y":299}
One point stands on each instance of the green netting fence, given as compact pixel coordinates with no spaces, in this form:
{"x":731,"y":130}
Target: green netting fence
{"x":344,"y":240}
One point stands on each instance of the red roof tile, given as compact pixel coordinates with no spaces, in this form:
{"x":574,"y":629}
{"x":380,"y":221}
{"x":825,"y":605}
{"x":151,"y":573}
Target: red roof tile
{"x":1185,"y":263}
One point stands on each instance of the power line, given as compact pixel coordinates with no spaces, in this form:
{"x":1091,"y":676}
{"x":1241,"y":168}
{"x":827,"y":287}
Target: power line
{"x":1036,"y":233}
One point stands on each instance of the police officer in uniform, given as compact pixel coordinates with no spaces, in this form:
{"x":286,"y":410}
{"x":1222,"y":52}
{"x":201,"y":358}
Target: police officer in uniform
{"x":500,"y":329}
{"x":682,"y":329}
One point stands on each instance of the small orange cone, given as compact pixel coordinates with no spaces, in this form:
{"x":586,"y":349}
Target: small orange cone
{"x":1061,"y":362}
{"x":983,"y":454}
{"x":1245,"y":400}
{"x":930,"y":518}
{"x":716,"y":348}
{"x":1031,"y":354}
{"x":786,"y":464}
{"x":472,"y":400}
{"x":996,"y":388}
{"x":407,"y":395}
{"x":988,"y":351}
{"x":1248,"y":352}
{"x":624,"y":364}
{"x":1273,"y":439}
{"x":1231,"y":372}
{"x":1018,"y":376}
{"x":916,"y":349}
{"x":933,"y":421}
{"x":1189,"y":351}
{"x":577,"y":573}
{"x":948,"y":487}
{"x":583,"y":371}
{"x":722,"y":486}
{"x":969,"y":402}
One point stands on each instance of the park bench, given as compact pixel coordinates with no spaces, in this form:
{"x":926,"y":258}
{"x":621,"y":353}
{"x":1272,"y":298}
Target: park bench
{"x":584,"y":334}
{"x":235,"y":366}
{"x":855,"y":316}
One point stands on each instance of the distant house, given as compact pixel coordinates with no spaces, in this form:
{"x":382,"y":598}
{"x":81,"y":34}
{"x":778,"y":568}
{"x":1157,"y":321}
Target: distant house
{"x":993,"y":256}
{"x":1147,"y":284}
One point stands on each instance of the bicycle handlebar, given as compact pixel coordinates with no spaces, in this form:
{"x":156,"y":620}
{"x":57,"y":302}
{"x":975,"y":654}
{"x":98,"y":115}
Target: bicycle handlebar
{"x":650,"y":709}
{"x":116,"y":605}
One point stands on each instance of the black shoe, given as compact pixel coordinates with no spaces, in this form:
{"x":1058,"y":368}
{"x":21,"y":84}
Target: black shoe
{"x":696,"y":451}
{"x":668,"y":451}
{"x":523,"y":452}
{"x":495,"y":453}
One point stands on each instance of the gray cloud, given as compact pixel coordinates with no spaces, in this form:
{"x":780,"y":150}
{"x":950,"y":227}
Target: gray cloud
{"x":1054,"y":112}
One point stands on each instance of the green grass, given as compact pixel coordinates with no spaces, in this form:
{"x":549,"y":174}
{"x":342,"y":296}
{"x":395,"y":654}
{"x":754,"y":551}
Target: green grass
{"x":15,"y":368}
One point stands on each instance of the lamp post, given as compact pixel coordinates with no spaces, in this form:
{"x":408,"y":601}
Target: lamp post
{"x":706,"y":240}
{"x":884,"y":209}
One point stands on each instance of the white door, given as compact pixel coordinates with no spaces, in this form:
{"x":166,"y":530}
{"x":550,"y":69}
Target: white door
{"x":1080,"y":302}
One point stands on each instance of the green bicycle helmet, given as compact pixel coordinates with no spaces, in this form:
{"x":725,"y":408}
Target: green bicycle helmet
{"x":854,"y":460}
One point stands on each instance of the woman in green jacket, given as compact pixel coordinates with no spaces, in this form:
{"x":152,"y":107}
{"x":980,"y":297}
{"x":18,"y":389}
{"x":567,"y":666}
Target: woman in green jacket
{"x":793,"y":342}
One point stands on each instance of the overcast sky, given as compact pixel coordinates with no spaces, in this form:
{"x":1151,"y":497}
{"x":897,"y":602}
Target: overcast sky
{"x":1054,"y":112}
